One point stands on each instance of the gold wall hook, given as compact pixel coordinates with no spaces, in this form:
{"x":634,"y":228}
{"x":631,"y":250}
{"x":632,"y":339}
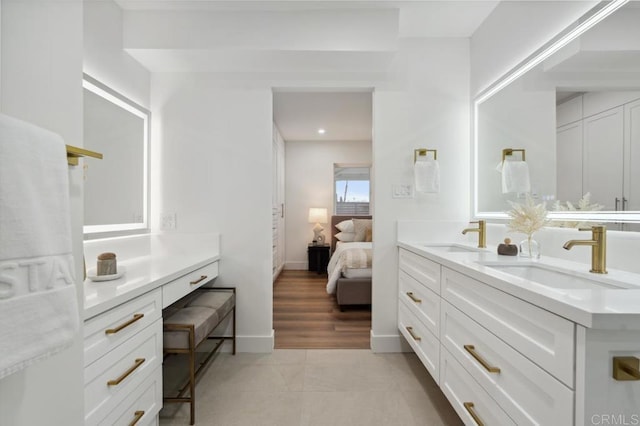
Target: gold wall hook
{"x":422,"y":152}
{"x":626,"y":368}
{"x":73,"y":153}
{"x":510,"y":151}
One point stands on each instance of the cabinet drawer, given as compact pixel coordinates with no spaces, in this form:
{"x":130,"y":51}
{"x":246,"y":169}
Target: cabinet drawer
{"x":528,"y":394}
{"x":467,"y":397}
{"x":543,"y":337}
{"x":100,"y":398}
{"x":184,"y":285}
{"x":143,"y":404}
{"x":425,"y":344}
{"x":421,"y":301}
{"x":104,"y":332}
{"x":423,"y":270}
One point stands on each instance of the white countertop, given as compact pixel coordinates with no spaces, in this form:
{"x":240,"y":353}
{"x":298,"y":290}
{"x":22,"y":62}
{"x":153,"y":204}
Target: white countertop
{"x":600,"y":308}
{"x":160,"y":261}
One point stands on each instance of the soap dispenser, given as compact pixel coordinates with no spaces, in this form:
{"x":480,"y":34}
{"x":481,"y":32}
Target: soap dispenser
{"x":507,"y":249}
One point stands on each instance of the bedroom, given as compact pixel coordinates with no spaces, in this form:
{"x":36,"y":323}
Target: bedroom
{"x":325,"y":136}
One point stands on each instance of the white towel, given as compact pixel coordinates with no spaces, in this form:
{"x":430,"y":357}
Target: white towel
{"x":427,"y":176}
{"x":515,"y":177}
{"x":38,"y":304}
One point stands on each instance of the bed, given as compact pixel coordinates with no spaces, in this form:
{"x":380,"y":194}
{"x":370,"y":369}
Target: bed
{"x":349,"y":268}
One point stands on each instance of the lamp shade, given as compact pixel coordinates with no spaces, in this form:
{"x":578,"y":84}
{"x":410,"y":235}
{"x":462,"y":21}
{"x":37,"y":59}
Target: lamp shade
{"x":317,"y":215}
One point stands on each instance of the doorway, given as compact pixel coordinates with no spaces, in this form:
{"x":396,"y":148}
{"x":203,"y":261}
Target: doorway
{"x":319,"y":128}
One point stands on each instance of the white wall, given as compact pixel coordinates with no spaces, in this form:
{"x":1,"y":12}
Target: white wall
{"x":429,"y":110}
{"x":212,"y":154}
{"x":212,"y":162}
{"x":41,"y":83}
{"x":513,"y":31}
{"x":309,"y":183}
{"x":104,"y":58}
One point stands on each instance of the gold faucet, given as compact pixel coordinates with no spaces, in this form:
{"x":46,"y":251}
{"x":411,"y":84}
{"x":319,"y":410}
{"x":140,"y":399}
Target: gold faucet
{"x":598,"y":243}
{"x":482,"y":234}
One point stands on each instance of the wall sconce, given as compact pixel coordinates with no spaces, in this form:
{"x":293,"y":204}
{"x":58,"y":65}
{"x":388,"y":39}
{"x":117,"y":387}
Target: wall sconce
{"x":318,"y":215}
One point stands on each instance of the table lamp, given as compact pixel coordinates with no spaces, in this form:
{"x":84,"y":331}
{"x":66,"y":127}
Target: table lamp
{"x":318,"y":216}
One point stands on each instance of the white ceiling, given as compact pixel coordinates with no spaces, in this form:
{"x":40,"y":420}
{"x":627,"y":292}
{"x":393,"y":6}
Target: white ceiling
{"x":346,"y":116}
{"x":293,"y":40}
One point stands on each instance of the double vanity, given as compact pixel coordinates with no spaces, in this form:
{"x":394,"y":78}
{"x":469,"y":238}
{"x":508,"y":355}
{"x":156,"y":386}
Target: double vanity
{"x":519,"y":342}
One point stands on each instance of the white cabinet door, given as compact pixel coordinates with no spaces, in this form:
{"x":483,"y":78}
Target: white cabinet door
{"x":569,"y":162}
{"x":603,"y":155}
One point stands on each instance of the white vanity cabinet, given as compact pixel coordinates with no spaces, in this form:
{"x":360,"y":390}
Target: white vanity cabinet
{"x":498,"y":359}
{"x":123,"y":359}
{"x":123,"y":331}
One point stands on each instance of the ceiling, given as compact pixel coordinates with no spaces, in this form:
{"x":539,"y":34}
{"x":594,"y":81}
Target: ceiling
{"x":294,"y":40}
{"x":345,"y":116}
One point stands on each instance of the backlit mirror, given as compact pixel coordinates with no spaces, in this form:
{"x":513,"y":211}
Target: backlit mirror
{"x":115,"y":188}
{"x":574,"y":108}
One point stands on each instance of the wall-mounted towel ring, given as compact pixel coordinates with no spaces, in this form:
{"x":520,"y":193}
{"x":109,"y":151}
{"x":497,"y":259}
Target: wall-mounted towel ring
{"x":510,"y":151}
{"x":515,"y":173}
{"x":426,"y":172}
{"x":422,"y":152}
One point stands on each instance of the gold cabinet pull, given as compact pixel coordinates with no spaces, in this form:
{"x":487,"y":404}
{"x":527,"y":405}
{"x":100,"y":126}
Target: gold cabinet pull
{"x":138,"y":363}
{"x":202,"y":277}
{"x":626,"y":368}
{"x":410,"y":330}
{"x":412,"y":297}
{"x":135,"y":318}
{"x":469,"y":407}
{"x":137,"y":416}
{"x":472,"y":350}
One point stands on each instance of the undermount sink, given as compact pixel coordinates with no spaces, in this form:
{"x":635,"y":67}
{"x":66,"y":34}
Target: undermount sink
{"x":554,"y":277}
{"x":454,"y":248}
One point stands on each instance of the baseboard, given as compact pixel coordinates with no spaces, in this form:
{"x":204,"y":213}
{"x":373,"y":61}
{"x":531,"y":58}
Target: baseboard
{"x":389,"y":343}
{"x":255,"y":344}
{"x":296,"y":266}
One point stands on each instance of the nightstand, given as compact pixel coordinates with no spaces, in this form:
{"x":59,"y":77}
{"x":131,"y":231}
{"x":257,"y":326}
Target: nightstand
{"x":318,"y":257}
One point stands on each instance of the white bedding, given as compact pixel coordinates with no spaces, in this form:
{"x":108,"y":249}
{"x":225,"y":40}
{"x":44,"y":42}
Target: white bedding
{"x":357,"y":273}
{"x":338,"y":262}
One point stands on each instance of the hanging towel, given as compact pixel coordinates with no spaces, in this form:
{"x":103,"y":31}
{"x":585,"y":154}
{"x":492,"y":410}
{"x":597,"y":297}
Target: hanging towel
{"x":427,"y":176}
{"x":38,"y":304}
{"x":515,"y":177}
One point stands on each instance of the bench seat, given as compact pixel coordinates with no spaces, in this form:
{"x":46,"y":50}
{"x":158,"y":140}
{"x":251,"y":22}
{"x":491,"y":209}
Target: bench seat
{"x":190,"y":322}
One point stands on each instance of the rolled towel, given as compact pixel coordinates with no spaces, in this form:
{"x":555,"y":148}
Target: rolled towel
{"x":515,"y":177}
{"x":427,"y":176}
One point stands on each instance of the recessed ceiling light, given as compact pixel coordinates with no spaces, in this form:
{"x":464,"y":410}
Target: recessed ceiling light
{"x":321,"y":131}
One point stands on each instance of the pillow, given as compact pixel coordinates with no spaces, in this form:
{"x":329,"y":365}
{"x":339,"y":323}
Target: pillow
{"x":368,"y":235}
{"x":345,"y":236}
{"x":360,"y":226}
{"x":346,"y":226}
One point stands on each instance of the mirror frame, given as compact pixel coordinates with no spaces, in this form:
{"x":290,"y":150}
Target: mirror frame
{"x":117,"y":229}
{"x":588,"y":20}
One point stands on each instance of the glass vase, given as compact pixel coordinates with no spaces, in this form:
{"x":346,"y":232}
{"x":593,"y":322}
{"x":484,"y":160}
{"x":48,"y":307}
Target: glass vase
{"x":530,"y":248}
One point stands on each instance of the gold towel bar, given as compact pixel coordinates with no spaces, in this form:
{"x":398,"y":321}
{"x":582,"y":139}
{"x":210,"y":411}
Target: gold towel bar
{"x":423,"y":153}
{"x":73,"y":153}
{"x":510,"y":151}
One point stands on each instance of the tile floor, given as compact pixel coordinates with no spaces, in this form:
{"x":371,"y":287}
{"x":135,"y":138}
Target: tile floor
{"x":315,"y":387}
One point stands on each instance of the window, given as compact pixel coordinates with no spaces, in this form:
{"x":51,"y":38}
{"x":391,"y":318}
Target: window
{"x":352,"y":189}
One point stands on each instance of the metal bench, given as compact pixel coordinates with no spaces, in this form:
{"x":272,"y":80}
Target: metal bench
{"x":189,"y":323}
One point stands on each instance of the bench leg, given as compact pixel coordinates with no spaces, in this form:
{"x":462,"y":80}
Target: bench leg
{"x":192,"y":373}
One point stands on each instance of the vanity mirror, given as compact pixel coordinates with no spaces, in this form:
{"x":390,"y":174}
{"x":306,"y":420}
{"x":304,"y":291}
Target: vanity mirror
{"x":115,"y":189}
{"x":574,"y":107}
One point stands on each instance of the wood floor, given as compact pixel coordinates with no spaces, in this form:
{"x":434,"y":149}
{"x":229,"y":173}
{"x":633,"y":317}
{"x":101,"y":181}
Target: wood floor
{"x":306,"y":317}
